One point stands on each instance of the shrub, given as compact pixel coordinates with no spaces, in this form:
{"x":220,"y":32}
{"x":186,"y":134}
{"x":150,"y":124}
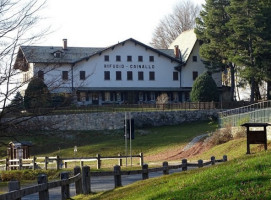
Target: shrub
{"x":220,"y":136}
{"x":204,"y":89}
{"x":37,"y":95}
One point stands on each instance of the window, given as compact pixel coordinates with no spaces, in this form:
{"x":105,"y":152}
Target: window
{"x":57,"y":54}
{"x":106,"y":58}
{"x":140,"y":76}
{"x":41,"y":75}
{"x":64,"y":75}
{"x":129,"y":58}
{"x":82,"y":75}
{"x":106,"y":75}
{"x":151,"y":76}
{"x":195,"y":75}
{"x":151,"y":58}
{"x":175,"y":76}
{"x":129,"y":75}
{"x":118,"y":58}
{"x":195,"y":58}
{"x":118,"y":75}
{"x":140,"y":58}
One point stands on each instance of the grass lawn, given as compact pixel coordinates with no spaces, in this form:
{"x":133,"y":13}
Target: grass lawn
{"x":110,"y":143}
{"x":247,"y":177}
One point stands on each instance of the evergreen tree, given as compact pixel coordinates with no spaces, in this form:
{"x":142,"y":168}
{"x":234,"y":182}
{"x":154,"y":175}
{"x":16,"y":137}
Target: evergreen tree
{"x":204,"y":89}
{"x":250,"y":41}
{"x":37,"y":95}
{"x":212,"y":31}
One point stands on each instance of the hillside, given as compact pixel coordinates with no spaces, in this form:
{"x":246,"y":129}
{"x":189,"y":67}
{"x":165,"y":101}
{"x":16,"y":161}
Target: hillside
{"x":246,"y":177}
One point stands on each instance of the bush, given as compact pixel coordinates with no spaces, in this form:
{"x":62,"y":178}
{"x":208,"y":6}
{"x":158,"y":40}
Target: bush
{"x":37,"y":95}
{"x":221,"y":136}
{"x":204,"y":89}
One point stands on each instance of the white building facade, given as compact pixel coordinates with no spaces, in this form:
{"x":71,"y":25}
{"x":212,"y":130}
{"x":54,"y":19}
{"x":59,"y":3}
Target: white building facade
{"x":128,"y":72}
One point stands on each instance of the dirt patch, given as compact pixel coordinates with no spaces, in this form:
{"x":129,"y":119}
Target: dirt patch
{"x":179,"y":153}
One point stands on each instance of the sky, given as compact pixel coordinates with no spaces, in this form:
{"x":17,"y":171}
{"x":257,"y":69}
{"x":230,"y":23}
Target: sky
{"x":101,"y":23}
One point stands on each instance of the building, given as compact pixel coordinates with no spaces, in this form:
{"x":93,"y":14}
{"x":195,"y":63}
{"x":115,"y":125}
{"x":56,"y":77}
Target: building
{"x":127,"y":72}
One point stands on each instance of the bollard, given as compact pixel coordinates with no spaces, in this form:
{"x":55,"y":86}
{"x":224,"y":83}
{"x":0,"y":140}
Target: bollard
{"x":65,"y":189}
{"x":86,"y":180}
{"x":213,"y":160}
{"x":184,"y":165}
{"x":200,"y":163}
{"x":13,"y":186}
{"x":145,"y":171}
{"x":117,"y":176}
{"x":225,"y":158}
{"x":42,"y":179}
{"x":165,"y":166}
{"x":78,"y":184}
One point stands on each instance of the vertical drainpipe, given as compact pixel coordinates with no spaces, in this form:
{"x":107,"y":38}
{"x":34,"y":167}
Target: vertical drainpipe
{"x":72,"y":76}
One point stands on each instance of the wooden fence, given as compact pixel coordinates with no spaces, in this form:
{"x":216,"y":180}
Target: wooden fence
{"x":57,"y":162}
{"x":82,"y":180}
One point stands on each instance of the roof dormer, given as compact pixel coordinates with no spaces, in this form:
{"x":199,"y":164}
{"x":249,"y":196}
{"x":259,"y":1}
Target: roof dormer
{"x":58,"y":54}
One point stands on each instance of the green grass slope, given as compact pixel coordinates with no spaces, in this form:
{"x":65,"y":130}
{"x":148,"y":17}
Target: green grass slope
{"x":247,"y":177}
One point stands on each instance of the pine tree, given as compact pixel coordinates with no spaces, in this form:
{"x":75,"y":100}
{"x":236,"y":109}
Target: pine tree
{"x":212,"y":31}
{"x":248,"y":39}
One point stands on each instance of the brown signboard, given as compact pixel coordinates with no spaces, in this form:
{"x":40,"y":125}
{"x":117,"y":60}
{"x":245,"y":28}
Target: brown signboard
{"x":257,"y":136}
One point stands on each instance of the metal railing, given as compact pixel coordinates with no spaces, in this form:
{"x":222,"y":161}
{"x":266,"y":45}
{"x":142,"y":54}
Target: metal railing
{"x":258,"y":112}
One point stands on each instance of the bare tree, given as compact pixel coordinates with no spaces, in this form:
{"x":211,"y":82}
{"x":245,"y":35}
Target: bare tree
{"x":172,"y":25}
{"x":19,"y":22}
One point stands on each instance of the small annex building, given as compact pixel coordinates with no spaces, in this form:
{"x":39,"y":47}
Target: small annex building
{"x":127,"y":72}
{"x":19,"y":150}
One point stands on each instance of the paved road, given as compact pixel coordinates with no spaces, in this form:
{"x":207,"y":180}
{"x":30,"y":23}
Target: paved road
{"x":98,"y":184}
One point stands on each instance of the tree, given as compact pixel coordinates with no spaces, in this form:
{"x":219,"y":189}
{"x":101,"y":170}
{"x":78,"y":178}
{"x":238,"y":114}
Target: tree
{"x":17,"y":104}
{"x":18,"y":26}
{"x":249,"y":41}
{"x":204,"y":89}
{"x":37,"y":95}
{"x":212,"y":31}
{"x":172,"y":25}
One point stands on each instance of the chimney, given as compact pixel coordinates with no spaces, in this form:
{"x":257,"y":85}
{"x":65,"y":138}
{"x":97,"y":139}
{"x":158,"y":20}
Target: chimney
{"x":177,"y":51}
{"x":65,"y":44}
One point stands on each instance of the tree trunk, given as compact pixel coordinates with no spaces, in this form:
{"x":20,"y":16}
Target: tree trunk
{"x":232,"y":66}
{"x":252,"y":92}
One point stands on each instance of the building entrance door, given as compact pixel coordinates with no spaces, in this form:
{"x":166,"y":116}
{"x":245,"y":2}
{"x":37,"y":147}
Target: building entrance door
{"x":95,"y":98}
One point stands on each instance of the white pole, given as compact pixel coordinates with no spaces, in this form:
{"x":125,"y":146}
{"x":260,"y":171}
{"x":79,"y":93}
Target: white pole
{"x":125,"y":132}
{"x":131,"y":138}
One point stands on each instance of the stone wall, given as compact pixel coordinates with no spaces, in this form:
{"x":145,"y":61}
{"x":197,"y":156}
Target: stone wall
{"x":109,"y":121}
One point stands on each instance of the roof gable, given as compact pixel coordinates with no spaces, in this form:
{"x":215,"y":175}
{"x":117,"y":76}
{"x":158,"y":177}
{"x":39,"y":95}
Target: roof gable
{"x":186,"y":42}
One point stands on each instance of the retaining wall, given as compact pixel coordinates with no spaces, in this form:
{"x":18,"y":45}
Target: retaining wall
{"x":109,"y":121}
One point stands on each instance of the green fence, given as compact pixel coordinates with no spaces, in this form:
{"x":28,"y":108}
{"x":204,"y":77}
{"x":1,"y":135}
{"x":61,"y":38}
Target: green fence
{"x":258,"y":112}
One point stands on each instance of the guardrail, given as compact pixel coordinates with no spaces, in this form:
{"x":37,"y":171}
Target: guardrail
{"x":56,"y":162}
{"x":82,"y":180}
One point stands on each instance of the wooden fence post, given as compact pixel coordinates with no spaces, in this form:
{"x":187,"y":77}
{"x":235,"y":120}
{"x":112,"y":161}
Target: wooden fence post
{"x":184,"y":165}
{"x":200,"y":163}
{"x":145,"y":171}
{"x":98,"y":161}
{"x":13,"y":186}
{"x":57,"y":162}
{"x":213,"y":160}
{"x":65,"y":189}
{"x":165,"y":166}
{"x":34,"y":163}
{"x":81,"y":164}
{"x":65,"y":165}
{"x":86,"y":180}
{"x":46,"y":162}
{"x":78,"y":184}
{"x":117,"y":176}
{"x":20,"y":164}
{"x":141,"y":159}
{"x":225,"y":158}
{"x":7,"y":161}
{"x":120,"y":159}
{"x":42,"y":179}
